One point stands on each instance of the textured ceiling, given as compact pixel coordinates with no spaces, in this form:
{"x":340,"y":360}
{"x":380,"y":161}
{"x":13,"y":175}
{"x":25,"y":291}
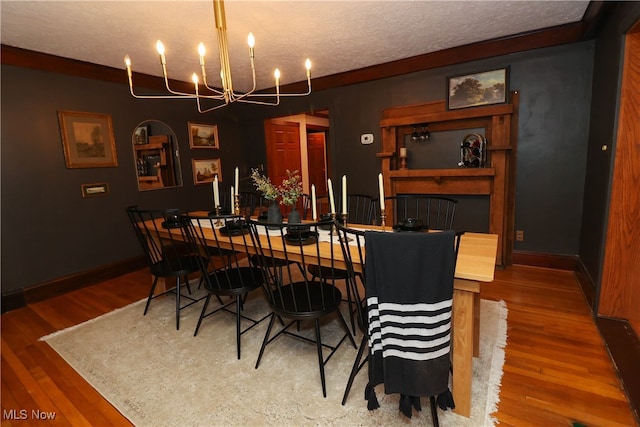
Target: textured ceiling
{"x":336,"y":35}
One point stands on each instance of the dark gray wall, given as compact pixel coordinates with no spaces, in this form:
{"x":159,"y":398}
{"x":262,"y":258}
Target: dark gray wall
{"x":607,"y":75}
{"x":48,"y":229}
{"x":44,"y":217}
{"x":555,"y":96}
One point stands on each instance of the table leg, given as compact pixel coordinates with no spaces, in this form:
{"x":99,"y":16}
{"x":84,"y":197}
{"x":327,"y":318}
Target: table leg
{"x":463,"y":346}
{"x":476,"y":325}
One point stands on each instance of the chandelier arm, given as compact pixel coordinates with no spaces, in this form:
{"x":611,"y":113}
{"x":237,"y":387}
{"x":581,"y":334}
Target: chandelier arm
{"x":226,"y":95}
{"x":249,"y":101}
{"x":283,"y":94}
{"x":200,"y":110}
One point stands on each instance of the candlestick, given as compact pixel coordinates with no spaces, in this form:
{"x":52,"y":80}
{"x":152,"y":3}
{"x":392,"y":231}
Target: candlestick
{"x":403,"y":158}
{"x":313,"y":203}
{"x":344,"y":223}
{"x":383,"y":217}
{"x":218,"y":222}
{"x":331,"y":201}
{"x":344,"y":194}
{"x":236,"y":200}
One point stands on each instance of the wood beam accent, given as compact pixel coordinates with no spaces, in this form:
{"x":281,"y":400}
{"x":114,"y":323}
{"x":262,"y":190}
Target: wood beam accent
{"x":554,"y":36}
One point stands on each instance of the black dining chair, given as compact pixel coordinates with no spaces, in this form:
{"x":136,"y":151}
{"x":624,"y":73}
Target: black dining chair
{"x":162,"y":235}
{"x":409,"y":292}
{"x":352,"y":244}
{"x":360,"y":209}
{"x":212,"y":234}
{"x":436,"y":212}
{"x":293,"y":297}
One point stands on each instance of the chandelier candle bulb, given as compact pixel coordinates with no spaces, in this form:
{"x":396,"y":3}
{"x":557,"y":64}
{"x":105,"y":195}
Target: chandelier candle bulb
{"x":160,"y":49}
{"x":344,"y":194}
{"x":313,"y":202}
{"x":331,"y":201}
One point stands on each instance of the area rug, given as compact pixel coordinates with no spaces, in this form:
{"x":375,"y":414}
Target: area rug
{"x":157,"y":376}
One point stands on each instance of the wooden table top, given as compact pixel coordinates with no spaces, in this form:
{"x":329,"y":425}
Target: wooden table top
{"x":476,"y":256}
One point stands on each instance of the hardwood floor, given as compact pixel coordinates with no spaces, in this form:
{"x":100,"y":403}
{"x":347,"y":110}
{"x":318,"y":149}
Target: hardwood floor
{"x":557,"y":371}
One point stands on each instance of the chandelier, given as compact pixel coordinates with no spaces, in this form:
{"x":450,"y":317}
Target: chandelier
{"x":226,"y":95}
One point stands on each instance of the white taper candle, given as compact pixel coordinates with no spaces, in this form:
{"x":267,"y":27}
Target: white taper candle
{"x":236,"y":181}
{"x":313,"y":203}
{"x":381,"y":189}
{"x":344,"y":194}
{"x":216,"y":193}
{"x":331,"y":201}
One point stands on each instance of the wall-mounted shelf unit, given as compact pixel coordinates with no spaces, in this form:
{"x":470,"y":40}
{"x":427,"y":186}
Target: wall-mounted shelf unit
{"x":157,"y":163}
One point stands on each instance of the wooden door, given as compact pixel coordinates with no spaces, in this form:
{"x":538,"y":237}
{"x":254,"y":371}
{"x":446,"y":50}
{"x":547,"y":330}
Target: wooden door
{"x":317,"y":162}
{"x":283,"y":149}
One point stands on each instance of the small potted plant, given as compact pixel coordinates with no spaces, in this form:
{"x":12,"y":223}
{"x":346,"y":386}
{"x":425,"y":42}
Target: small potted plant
{"x":290,"y":191}
{"x":270,"y":192}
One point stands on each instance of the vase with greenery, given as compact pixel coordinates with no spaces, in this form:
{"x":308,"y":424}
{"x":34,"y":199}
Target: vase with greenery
{"x":270,"y":192}
{"x":290,"y":191}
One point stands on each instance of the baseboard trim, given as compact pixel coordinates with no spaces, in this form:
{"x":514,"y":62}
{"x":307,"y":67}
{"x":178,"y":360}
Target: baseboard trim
{"x":537,"y":259}
{"x":586,"y":284}
{"x":20,"y":298}
{"x":624,"y":349}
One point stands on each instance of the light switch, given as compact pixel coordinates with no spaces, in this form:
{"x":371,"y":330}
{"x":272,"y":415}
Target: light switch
{"x":366,"y":138}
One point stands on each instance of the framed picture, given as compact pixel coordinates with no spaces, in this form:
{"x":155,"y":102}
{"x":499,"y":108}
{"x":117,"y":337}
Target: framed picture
{"x":87,"y":140}
{"x":141,"y":135}
{"x":473,"y":90}
{"x":203,"y":136}
{"x":94,"y":190}
{"x":204,"y":170}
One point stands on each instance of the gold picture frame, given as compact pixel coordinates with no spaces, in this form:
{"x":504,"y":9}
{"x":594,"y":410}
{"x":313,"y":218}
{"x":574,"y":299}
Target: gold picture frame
{"x":205,"y":170}
{"x":87,"y":140}
{"x":203,"y":135}
{"x":478,"y":89}
{"x":94,"y":190}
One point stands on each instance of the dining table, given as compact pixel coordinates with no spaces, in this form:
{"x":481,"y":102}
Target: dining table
{"x":475,"y":264}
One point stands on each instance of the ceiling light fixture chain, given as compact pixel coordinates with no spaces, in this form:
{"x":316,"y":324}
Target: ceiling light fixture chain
{"x":226,"y":95}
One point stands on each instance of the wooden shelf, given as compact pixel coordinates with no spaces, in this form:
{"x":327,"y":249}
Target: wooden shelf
{"x":434,"y":173}
{"x":496,"y":181}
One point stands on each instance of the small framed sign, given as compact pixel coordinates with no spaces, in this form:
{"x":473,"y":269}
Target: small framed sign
{"x":95,"y":190}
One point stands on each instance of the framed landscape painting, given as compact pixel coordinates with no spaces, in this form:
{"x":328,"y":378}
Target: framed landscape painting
{"x":87,"y":140}
{"x":473,"y":90}
{"x":204,"y":170}
{"x":203,"y":136}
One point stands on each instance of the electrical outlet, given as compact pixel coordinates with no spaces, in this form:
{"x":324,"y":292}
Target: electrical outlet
{"x":520,"y":235}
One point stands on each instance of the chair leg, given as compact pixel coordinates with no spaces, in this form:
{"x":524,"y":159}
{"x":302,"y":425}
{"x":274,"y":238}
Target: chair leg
{"x":434,"y":411}
{"x":202,"y":313}
{"x":153,"y":288}
{"x":177,"y":303}
{"x":266,"y":339}
{"x":320,"y":357}
{"x":357,"y":366}
{"x":238,"y":308}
